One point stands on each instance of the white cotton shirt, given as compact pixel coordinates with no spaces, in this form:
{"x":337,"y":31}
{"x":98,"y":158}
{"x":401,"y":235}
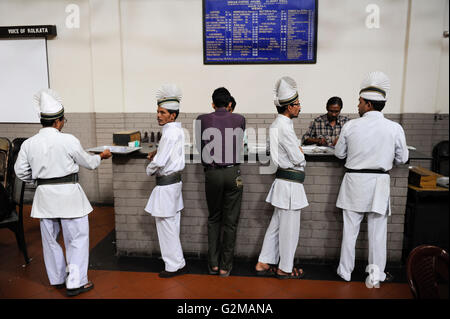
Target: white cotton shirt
{"x":51,"y":154}
{"x":369,"y":142}
{"x":285,"y":153}
{"x":167,"y":200}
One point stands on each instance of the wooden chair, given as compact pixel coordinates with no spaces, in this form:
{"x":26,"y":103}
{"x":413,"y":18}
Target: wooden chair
{"x":427,"y":272}
{"x":17,"y":187}
{"x":5,"y":155}
{"x":440,"y":158}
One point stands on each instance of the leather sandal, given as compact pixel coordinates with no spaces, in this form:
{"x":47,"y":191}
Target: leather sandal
{"x":79,"y":290}
{"x":226,"y":274}
{"x":389,"y":277}
{"x":169,"y":274}
{"x":269,"y":272}
{"x":295,"y":274}
{"x":212,"y":271}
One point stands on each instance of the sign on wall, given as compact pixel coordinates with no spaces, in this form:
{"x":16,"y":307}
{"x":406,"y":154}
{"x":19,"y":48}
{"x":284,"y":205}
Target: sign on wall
{"x":28,"y":31}
{"x":259,"y":31}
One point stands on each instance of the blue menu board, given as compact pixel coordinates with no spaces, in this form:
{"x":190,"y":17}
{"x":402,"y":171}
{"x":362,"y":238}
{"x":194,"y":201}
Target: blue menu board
{"x":259,"y":31}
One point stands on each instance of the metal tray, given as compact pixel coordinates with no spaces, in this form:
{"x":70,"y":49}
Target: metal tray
{"x":114,"y":149}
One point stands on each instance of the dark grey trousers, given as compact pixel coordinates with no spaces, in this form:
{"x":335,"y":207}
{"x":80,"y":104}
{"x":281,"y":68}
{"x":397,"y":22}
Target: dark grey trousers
{"x":223,"y":189}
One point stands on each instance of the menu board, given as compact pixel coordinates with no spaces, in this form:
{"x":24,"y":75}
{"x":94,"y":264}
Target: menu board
{"x":259,"y":31}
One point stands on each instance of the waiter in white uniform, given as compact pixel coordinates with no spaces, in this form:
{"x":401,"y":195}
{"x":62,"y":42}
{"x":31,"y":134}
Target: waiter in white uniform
{"x":166,"y":201}
{"x":51,"y":160}
{"x":371,"y":144}
{"x":287,"y":194}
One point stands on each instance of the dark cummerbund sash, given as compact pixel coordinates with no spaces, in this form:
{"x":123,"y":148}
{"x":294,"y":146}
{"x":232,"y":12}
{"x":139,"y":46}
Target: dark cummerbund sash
{"x":291,"y":175}
{"x":69,"y":179}
{"x":367,"y":171}
{"x":168,"y":179}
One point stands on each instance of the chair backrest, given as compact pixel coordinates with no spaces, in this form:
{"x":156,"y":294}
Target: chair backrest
{"x":426,"y":266}
{"x":5,"y":155}
{"x":18,"y":191}
{"x":12,"y":180}
{"x":440,"y":158}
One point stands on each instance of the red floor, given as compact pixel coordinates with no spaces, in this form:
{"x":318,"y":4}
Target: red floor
{"x":31,"y":281}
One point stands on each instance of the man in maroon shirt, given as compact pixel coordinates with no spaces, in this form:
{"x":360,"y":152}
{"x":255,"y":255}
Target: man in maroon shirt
{"x":221,"y":149}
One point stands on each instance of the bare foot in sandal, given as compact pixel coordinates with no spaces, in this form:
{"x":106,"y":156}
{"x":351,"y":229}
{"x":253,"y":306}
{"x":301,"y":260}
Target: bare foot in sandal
{"x":261,"y":266}
{"x":295,"y":274}
{"x":263,"y":269}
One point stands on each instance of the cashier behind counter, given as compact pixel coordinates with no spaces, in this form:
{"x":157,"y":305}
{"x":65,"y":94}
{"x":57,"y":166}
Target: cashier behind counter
{"x":325,"y":129}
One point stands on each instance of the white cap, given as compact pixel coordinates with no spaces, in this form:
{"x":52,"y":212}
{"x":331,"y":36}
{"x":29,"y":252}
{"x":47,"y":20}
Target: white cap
{"x":169,"y":97}
{"x":49,"y":104}
{"x":285,"y":91}
{"x":375,"y":86}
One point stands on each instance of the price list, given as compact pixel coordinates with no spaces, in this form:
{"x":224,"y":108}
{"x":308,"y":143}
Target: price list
{"x":259,"y":31}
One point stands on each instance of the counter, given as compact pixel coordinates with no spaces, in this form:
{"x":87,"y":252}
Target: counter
{"x":321,"y":221}
{"x":426,"y":218}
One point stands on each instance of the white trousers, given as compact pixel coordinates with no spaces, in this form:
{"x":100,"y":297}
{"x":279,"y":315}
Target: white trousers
{"x":281,"y":239}
{"x":76,"y":242}
{"x":377,"y":233}
{"x":168,"y":229}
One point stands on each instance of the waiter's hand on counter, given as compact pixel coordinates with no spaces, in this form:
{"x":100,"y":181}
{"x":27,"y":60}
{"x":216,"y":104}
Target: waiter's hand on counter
{"x":151,"y":155}
{"x":105,"y":154}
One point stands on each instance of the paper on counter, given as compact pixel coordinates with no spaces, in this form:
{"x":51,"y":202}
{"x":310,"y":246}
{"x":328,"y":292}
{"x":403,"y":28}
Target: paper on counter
{"x":314,"y":149}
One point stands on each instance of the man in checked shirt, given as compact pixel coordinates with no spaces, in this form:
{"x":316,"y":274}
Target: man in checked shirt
{"x":325,"y":129}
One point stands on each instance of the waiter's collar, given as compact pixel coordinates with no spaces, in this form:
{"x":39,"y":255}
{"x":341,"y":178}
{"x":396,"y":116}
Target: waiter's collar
{"x":48,"y":129}
{"x":375,"y":114}
{"x":284,"y":118}
{"x":170,"y":124}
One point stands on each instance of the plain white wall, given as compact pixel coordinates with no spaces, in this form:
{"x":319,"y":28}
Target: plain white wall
{"x":69,"y":54}
{"x":125,"y":49}
{"x":442,"y":95}
{"x":160,"y":48}
{"x":426,"y":57}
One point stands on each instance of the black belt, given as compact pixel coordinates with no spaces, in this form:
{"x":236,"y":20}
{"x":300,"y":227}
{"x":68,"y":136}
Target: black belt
{"x":168,"y":179}
{"x":69,"y":179}
{"x":210,"y":167}
{"x":367,"y":171}
{"x":291,"y":175}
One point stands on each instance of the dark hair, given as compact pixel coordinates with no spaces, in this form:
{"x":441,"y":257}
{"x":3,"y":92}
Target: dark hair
{"x":377,"y":105}
{"x":221,"y":97}
{"x":233,"y":102}
{"x":49,"y":123}
{"x":282,"y":109}
{"x":334,"y":100}
{"x":174,"y":111}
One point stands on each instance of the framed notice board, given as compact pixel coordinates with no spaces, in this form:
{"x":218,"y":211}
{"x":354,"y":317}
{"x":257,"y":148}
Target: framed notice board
{"x":259,"y":31}
{"x":24,"y":70}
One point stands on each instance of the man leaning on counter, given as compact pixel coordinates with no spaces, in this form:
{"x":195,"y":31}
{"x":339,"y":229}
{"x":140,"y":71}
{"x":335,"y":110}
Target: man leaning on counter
{"x":324,"y":130}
